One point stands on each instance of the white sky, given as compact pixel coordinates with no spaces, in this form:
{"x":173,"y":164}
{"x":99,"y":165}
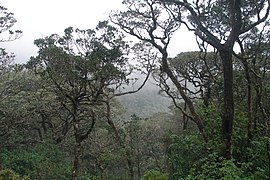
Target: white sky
{"x":40,"y":18}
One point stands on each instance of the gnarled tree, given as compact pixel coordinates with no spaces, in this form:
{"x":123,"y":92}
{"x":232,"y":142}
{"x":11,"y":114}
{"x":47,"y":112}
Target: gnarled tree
{"x":148,"y":21}
{"x":221,"y":23}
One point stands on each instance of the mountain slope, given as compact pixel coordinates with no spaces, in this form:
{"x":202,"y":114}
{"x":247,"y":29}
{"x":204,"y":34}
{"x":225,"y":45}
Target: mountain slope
{"x":146,"y":102}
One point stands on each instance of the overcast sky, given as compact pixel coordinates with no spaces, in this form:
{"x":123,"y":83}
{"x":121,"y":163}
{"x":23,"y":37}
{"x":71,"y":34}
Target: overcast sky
{"x":40,"y":18}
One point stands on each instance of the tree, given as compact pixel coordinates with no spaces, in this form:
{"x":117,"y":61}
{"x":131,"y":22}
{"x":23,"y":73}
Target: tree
{"x":86,"y":70}
{"x":254,"y":57}
{"x":5,"y":67}
{"x":81,"y":67}
{"x":201,"y":71}
{"x":7,"y":20}
{"x":148,"y":21}
{"x":9,"y":74}
{"x":221,"y":24}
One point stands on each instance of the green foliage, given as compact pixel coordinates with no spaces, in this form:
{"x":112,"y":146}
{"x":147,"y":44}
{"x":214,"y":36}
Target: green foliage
{"x":83,"y":68}
{"x":155,"y":175}
{"x":7,"y":174}
{"x":240,"y":137}
{"x":215,"y":167}
{"x":189,"y":160}
{"x":183,"y":151}
{"x":258,"y":157}
{"x":212,"y":122}
{"x":44,"y":161}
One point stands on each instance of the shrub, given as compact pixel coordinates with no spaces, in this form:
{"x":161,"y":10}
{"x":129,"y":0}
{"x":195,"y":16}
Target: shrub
{"x":44,"y":161}
{"x":7,"y":174}
{"x":155,"y":175}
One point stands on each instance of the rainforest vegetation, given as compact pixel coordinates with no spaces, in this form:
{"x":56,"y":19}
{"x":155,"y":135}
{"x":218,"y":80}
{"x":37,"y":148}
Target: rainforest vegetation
{"x":94,"y":105}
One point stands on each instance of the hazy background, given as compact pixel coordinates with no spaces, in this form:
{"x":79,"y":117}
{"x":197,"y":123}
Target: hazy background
{"x":40,"y":18}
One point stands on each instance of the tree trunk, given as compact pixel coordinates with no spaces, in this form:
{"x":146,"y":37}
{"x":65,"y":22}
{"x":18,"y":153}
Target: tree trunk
{"x":185,"y":118}
{"x":228,"y":103}
{"x":139,"y":164}
{"x":129,"y":162}
{"x":123,"y":146}
{"x":196,"y":118}
{"x":76,"y":161}
{"x":249,"y":100}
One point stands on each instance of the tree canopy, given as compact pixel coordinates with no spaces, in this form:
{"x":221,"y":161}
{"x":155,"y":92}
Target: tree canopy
{"x":68,"y":112}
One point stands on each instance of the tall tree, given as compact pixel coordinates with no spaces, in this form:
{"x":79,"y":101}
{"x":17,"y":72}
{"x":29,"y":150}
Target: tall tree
{"x":81,"y":66}
{"x":9,"y":74}
{"x":254,"y":62}
{"x":199,"y":70}
{"x":86,"y":69}
{"x":148,"y":21}
{"x":220,"y":24}
{"x":7,"y":21}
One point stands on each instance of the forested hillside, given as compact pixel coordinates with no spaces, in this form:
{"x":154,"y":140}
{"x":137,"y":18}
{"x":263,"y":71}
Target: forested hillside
{"x":95,"y":105}
{"x":146,"y":102}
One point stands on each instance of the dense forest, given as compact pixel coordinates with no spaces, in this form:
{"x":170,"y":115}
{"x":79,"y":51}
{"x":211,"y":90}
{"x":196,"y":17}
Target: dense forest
{"x":94,"y":105}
